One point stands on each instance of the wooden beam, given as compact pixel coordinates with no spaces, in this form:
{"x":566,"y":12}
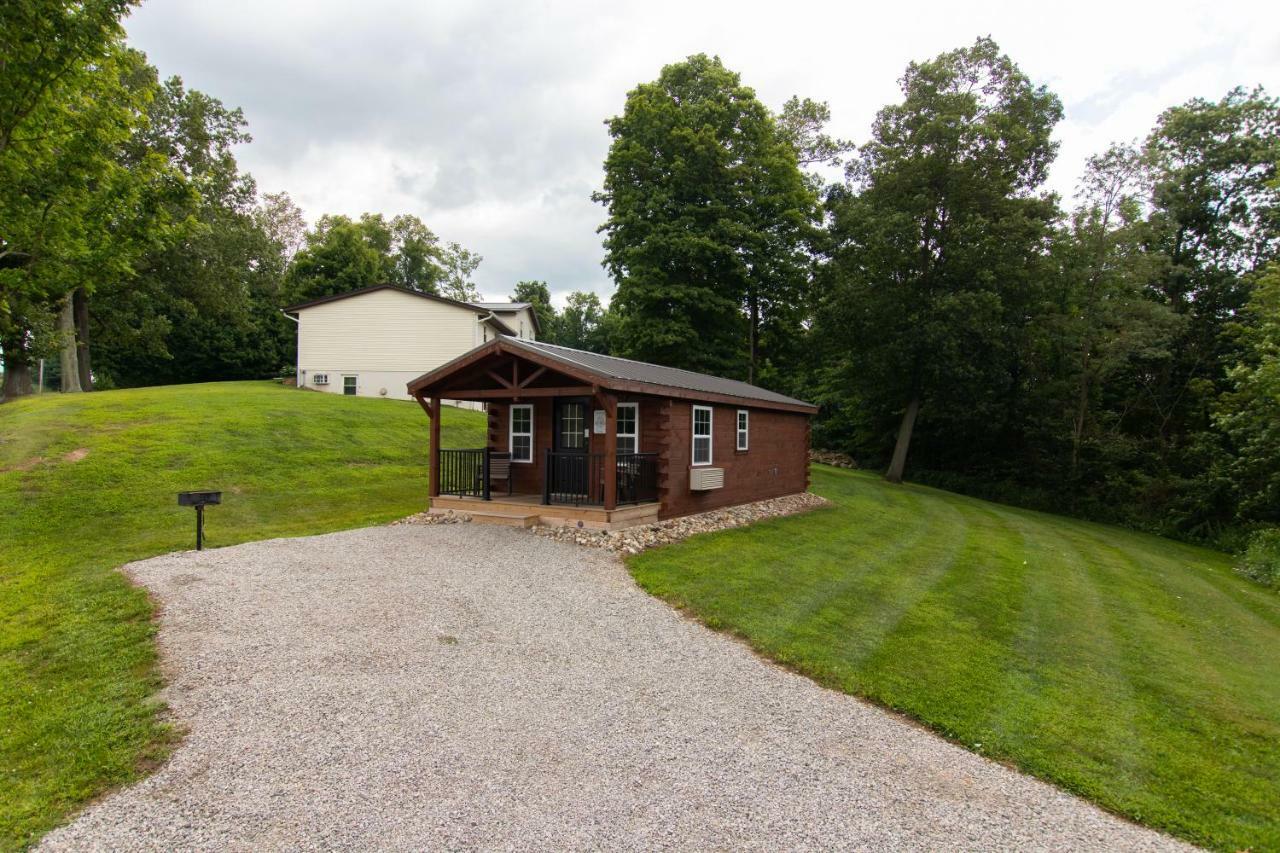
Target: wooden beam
{"x":433,"y":488}
{"x":610,"y":406}
{"x":505,"y":383}
{"x":532,"y":376}
{"x":513,"y":393}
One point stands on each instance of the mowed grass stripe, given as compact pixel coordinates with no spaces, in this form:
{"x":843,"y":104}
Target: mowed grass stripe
{"x":1137,"y":671}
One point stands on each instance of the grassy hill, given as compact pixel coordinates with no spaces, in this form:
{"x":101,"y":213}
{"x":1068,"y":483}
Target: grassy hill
{"x":88,"y":482}
{"x":1139,"y":672}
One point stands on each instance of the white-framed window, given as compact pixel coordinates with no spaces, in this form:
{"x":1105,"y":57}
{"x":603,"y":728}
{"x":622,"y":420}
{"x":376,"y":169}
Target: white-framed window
{"x":520,"y":435}
{"x":742,"y":428}
{"x":628,"y":427}
{"x":349,"y":385}
{"x":522,"y":330}
{"x":701,"y":435}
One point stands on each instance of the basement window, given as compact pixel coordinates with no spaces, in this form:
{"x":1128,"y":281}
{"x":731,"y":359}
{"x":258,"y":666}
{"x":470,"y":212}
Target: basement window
{"x":742,"y":429}
{"x":349,"y":385}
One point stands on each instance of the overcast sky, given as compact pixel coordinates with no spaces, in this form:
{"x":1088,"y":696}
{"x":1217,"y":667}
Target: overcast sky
{"x":486,"y":119}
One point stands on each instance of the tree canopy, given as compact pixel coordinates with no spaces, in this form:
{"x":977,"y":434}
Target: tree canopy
{"x":709,"y":219}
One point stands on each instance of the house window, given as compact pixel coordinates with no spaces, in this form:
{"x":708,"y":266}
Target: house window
{"x":349,"y":386}
{"x":628,"y":428}
{"x":701,"y":435}
{"x":521,"y":433}
{"x":522,"y":329}
{"x":742,"y":429}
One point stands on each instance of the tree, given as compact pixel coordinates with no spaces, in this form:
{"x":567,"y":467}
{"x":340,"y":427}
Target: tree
{"x":1249,"y":413}
{"x":1215,"y":220}
{"x":582,"y":323}
{"x":537,"y":294}
{"x":802,"y":124}
{"x":1105,"y":318}
{"x":708,"y":219}
{"x":937,"y":252}
{"x":459,"y":265}
{"x":341,"y":254}
{"x":71,"y":95}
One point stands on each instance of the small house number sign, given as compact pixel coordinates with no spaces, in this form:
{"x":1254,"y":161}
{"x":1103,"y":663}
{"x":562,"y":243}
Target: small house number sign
{"x":599,"y":421}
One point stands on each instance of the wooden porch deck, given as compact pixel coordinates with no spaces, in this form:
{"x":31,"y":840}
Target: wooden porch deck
{"x":528,"y":510}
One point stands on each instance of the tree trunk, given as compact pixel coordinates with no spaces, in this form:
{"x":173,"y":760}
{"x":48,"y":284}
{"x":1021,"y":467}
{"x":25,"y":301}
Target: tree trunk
{"x":17,"y":369}
{"x":899,"y":463}
{"x":1082,"y":413}
{"x":68,"y":362}
{"x":17,"y":380}
{"x":753,"y":306}
{"x":82,"y":338}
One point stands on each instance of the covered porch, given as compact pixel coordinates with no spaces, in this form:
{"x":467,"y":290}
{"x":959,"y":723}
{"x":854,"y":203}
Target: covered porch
{"x":560,"y":447}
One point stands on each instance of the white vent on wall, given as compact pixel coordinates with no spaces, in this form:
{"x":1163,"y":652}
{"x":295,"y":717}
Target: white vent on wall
{"x":319,"y":379}
{"x":704,"y":479}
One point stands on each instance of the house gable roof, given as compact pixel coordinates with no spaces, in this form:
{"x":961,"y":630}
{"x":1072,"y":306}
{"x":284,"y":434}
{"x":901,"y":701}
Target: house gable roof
{"x":512,"y":308}
{"x":488,"y":309}
{"x":620,"y":374}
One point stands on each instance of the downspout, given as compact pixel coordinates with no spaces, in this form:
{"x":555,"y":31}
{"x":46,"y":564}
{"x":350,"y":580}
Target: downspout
{"x":490,"y":316}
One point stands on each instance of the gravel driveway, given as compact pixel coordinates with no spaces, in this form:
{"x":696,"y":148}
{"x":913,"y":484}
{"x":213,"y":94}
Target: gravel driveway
{"x":458,"y":686}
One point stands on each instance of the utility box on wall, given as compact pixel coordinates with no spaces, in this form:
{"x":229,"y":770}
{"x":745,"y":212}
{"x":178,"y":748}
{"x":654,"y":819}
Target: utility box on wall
{"x":706,"y":479}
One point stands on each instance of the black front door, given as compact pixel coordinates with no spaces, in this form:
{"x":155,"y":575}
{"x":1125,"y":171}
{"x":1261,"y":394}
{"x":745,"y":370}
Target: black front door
{"x":571,"y":434}
{"x":569,"y":477}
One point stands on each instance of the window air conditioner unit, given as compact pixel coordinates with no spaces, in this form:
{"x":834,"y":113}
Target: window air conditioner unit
{"x":705,"y":479}
{"x":319,"y":379}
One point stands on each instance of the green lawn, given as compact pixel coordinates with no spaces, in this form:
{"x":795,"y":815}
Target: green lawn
{"x":76,"y":653}
{"x":1139,"y":672}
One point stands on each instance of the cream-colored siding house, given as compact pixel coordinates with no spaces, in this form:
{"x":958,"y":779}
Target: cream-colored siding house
{"x":371,"y":342}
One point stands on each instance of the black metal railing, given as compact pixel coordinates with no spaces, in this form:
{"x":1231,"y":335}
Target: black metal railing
{"x":637,"y":478}
{"x":573,"y":478}
{"x":578,"y":478}
{"x":462,"y":472}
{"x":471,"y":472}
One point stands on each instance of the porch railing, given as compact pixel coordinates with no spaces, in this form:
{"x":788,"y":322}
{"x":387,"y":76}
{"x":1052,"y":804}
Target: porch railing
{"x":462,"y":472}
{"x":471,"y":472}
{"x":637,"y":478}
{"x":578,"y":478}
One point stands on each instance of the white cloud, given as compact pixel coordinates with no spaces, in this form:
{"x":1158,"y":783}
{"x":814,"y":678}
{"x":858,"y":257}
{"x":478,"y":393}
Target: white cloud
{"x":486,"y":119}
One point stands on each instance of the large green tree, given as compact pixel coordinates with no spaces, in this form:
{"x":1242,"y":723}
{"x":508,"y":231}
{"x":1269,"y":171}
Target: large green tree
{"x":72,"y":212}
{"x":202,"y":305}
{"x":582,"y":323}
{"x":1249,"y":412}
{"x":940,"y":244}
{"x":538,"y":294}
{"x":341,"y":254}
{"x":709,"y":219}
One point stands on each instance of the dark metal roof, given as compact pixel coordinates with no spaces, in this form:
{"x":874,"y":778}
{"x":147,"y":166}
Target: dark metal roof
{"x":655,"y":374}
{"x":511,"y":308}
{"x":505,"y":307}
{"x":479,"y":308}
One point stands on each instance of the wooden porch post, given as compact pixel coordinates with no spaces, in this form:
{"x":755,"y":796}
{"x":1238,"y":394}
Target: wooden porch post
{"x":610,"y":405}
{"x":434,"y":411}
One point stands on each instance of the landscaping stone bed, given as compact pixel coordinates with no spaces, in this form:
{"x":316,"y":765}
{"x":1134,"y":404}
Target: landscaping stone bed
{"x":830,"y":457}
{"x":633,"y":540}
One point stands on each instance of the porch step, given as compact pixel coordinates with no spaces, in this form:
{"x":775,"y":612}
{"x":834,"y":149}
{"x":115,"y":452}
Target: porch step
{"x":507,"y":519}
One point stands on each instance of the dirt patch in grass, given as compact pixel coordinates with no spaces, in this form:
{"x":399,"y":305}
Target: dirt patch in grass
{"x":76,"y":455}
{"x":24,"y":465}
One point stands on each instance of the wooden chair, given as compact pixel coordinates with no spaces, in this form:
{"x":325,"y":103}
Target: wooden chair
{"x":500,"y":469}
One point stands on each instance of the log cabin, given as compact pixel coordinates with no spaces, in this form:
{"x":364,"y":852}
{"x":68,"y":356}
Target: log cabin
{"x":590,"y":440}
